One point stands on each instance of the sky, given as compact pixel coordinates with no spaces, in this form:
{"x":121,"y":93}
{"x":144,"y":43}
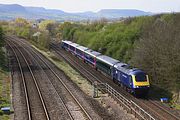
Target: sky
{"x":96,"y":5}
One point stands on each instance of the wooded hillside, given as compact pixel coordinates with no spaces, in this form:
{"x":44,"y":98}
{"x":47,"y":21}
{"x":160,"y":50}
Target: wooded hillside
{"x":151,"y":43}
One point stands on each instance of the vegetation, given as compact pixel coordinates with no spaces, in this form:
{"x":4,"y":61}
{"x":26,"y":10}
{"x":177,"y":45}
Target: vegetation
{"x":158,"y":53}
{"x":115,"y":39}
{"x":149,"y":42}
{"x":39,"y":34}
{"x":2,"y":55}
{"x":4,"y":81}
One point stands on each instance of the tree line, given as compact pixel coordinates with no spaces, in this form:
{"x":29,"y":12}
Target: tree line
{"x":37,"y":32}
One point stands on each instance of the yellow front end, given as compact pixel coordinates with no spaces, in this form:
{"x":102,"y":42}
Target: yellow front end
{"x":142,"y":87}
{"x":144,"y":83}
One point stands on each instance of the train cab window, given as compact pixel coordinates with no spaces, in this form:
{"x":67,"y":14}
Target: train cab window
{"x":141,"y":77}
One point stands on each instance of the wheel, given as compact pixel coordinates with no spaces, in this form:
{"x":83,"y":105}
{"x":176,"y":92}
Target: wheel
{"x":114,"y":80}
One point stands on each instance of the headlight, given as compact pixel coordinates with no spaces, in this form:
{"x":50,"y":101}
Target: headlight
{"x":137,"y":86}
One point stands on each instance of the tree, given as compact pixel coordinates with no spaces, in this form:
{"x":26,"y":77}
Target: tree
{"x":44,"y":39}
{"x":2,"y":42}
{"x":49,"y":25}
{"x":157,"y":52}
{"x":67,"y":30}
{"x":22,"y":28}
{"x":21,"y":22}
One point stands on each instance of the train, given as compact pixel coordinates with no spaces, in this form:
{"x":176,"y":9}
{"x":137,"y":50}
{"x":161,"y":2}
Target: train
{"x":134,"y":80}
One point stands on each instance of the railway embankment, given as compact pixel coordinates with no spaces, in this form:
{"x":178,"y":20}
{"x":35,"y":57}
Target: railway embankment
{"x":5,"y":100}
{"x":5,"y":83}
{"x":107,"y":103}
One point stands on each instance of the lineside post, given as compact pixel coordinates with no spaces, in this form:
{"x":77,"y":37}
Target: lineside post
{"x":95,"y":89}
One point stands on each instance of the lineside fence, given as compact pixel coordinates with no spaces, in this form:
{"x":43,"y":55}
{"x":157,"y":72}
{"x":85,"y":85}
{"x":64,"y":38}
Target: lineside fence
{"x":128,"y":105}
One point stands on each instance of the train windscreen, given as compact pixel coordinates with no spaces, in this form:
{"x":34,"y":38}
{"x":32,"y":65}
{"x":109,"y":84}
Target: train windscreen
{"x":141,"y":77}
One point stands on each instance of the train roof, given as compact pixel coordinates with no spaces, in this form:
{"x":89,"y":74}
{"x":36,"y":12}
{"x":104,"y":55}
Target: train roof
{"x":92,"y":53}
{"x":65,"y":41}
{"x":82,"y":48}
{"x":74,"y":44}
{"x":120,"y":65}
{"x":107,"y":60}
{"x":126,"y":68}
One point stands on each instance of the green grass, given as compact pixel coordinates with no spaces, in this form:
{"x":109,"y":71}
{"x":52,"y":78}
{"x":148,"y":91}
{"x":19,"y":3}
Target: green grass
{"x":80,"y":81}
{"x":157,"y":93}
{"x":4,"y":117}
{"x":69,"y":71}
{"x":177,"y":106}
{"x":4,"y":94}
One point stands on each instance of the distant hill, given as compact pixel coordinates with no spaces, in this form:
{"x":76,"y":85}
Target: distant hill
{"x":12,"y":11}
{"x":12,"y":8}
{"x":115,"y":13}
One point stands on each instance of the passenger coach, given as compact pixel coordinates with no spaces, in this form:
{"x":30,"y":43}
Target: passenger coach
{"x":90,"y":56}
{"x":105,"y":64}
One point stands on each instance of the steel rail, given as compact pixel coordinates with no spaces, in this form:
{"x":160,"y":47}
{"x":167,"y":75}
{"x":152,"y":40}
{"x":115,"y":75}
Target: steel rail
{"x":81,"y":107}
{"x":35,"y":81}
{"x":63,"y":103}
{"x":24,"y":84}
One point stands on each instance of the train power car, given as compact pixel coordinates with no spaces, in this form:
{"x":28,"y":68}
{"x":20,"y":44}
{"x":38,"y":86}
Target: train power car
{"x":134,"y":80}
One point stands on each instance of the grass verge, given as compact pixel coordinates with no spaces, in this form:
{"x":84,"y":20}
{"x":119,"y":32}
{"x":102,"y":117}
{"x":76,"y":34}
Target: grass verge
{"x":69,"y":71}
{"x":4,"y":93}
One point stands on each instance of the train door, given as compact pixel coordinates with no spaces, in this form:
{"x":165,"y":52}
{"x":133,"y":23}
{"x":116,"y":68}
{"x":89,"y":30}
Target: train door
{"x":130,"y":82}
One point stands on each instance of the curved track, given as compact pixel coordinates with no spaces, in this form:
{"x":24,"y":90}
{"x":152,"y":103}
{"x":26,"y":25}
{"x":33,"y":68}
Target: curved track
{"x":92,"y":75}
{"x":38,"y":58}
{"x":30,"y":103}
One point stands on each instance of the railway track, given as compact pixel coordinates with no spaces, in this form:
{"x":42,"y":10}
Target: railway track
{"x":92,"y":75}
{"x":165,"y":109}
{"x":43,"y":64}
{"x":37,"y":99}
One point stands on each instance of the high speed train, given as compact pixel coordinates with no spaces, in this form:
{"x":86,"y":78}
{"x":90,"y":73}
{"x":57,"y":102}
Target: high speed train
{"x":133,"y":80}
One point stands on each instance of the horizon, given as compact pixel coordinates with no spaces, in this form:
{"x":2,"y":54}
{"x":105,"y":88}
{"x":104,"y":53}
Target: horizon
{"x":154,"y":6}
